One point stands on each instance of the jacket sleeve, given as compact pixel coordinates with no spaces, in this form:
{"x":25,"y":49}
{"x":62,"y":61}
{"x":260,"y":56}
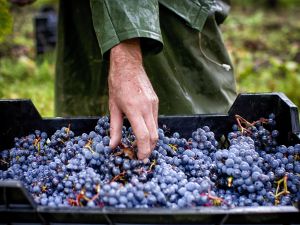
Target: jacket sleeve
{"x":115,"y":21}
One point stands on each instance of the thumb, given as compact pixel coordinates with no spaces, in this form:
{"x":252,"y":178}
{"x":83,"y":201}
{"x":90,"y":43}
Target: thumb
{"x":116,"y":124}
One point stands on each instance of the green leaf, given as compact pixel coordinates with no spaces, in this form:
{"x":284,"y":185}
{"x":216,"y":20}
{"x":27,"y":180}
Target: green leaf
{"x":5,"y":20}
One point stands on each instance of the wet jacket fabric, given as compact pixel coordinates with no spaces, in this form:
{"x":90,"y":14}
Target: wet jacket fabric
{"x":181,"y":44}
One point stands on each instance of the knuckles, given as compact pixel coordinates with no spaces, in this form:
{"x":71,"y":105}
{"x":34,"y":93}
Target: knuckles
{"x":155,"y":100}
{"x":143,"y":105}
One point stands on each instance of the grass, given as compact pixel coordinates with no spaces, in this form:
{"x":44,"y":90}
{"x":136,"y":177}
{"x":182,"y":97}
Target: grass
{"x":265,"y":49}
{"x":264,"y":46}
{"x":22,"y":73}
{"x":26,"y":78}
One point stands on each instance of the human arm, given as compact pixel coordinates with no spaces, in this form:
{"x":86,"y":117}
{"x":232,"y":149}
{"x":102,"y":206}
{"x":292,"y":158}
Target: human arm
{"x":126,"y":31}
{"x":131,"y":93}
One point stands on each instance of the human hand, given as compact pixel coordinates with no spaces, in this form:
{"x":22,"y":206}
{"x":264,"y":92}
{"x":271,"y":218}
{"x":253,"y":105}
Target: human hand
{"x":131,"y":93}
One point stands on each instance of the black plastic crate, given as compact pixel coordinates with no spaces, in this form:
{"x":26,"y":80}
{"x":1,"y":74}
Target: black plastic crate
{"x":20,"y":117}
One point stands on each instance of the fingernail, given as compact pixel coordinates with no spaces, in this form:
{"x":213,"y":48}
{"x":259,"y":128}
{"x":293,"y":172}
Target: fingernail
{"x":110,"y":143}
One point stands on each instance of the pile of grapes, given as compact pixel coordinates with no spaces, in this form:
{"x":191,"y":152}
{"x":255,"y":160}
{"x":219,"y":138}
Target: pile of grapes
{"x":65,"y":170}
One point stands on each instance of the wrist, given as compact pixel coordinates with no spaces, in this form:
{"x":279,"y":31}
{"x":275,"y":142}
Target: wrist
{"x":127,"y":52}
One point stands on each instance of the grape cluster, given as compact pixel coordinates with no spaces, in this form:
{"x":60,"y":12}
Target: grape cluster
{"x":68,"y":170}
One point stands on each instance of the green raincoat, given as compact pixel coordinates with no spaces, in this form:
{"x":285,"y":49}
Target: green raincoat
{"x":181,"y":45}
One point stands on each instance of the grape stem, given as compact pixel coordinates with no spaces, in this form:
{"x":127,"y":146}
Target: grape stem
{"x":119,"y":176}
{"x":80,"y":196}
{"x":216,"y":200}
{"x":229,"y":181}
{"x":244,"y":129}
{"x":152,"y":165}
{"x":68,"y":129}
{"x":97,"y":193}
{"x":4,"y":161}
{"x":72,"y":202}
{"x":174,"y":147}
{"x":37,"y":144}
{"x":88,"y":145}
{"x":139,"y":170}
{"x":284,"y":191}
{"x":127,"y":151}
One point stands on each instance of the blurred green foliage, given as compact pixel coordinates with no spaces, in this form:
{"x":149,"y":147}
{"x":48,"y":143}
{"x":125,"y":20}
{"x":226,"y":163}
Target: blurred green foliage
{"x":263,"y":41}
{"x":40,"y":3}
{"x":265,"y":4}
{"x":25,"y":78}
{"x":264,"y":44}
{"x":22,"y":73}
{"x":5,"y":19}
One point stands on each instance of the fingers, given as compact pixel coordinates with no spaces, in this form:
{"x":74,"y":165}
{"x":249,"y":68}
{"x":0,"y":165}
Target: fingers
{"x":142,"y":135}
{"x":116,"y":123}
{"x":151,"y":124}
{"x":155,"y":112}
{"x":144,"y":124}
{"x":155,"y":117}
